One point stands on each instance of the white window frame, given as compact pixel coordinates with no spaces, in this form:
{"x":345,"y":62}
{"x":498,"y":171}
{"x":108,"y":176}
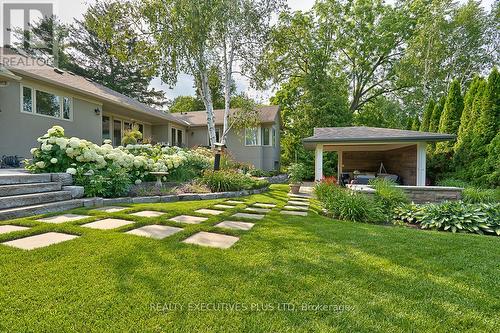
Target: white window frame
{"x":271,"y":130}
{"x":33,"y":103}
{"x":258,"y":128}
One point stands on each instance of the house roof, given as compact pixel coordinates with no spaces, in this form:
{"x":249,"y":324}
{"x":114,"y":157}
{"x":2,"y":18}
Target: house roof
{"x":199,"y":118}
{"x":364,"y":134}
{"x":4,"y":72}
{"x":37,"y":69}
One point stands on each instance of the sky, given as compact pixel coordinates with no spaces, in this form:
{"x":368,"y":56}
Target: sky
{"x":68,"y":10}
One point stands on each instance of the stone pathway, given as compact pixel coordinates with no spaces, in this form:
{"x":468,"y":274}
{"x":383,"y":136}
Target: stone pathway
{"x":234,"y":202}
{"x":236,"y":225}
{"x":107,"y":224}
{"x":148,"y":213}
{"x":258,"y":210}
{"x":248,"y":216}
{"x":298,"y":203}
{"x":264,"y":205}
{"x":289,"y":207}
{"x":188,"y":219}
{"x":38,"y":241}
{"x":211,"y":239}
{"x":295,"y":213}
{"x":63,"y":218}
{"x":154,"y":231}
{"x":5,"y":229}
{"x":209,"y":211}
{"x":223,"y":206}
{"x":111,"y":209}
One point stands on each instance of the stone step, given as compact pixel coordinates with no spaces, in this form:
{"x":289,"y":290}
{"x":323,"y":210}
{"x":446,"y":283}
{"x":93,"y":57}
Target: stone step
{"x":10,"y":179}
{"x":18,"y":189}
{"x":33,"y":199}
{"x":51,"y":207}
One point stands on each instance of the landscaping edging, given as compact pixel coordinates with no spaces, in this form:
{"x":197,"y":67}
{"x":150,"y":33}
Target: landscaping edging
{"x":97,"y":202}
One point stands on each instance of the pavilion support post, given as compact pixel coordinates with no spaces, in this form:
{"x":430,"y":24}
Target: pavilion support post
{"x":421,"y":163}
{"x":318,"y":163}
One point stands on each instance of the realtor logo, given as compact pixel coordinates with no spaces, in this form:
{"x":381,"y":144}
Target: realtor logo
{"x":27,"y":11}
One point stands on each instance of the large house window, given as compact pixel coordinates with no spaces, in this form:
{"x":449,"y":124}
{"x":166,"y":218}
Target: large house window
{"x":176,"y":137}
{"x":266,"y":136}
{"x":46,"y":104}
{"x":106,"y":125}
{"x":251,"y":136}
{"x":117,"y":132}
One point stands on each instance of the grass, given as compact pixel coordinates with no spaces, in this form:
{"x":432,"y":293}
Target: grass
{"x":369,"y":278}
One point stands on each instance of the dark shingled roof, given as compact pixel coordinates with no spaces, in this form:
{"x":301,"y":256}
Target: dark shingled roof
{"x":371,"y":134}
{"x":267,"y":114}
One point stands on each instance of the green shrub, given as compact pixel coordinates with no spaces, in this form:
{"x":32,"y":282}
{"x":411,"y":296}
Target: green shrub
{"x":107,"y":183}
{"x":387,"y":195}
{"x":131,"y":136}
{"x":348,"y":205}
{"x":226,"y":180}
{"x":478,"y":195}
{"x":452,"y":182}
{"x":454,"y":216}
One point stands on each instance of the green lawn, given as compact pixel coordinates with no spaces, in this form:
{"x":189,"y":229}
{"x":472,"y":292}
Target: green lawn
{"x":368,"y":278}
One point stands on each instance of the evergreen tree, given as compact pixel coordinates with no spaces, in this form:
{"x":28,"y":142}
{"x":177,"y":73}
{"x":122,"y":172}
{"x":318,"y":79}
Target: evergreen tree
{"x":436,"y":115}
{"x":424,"y":127}
{"x":453,"y":107}
{"x":450,"y":118}
{"x":472,"y":98}
{"x":488,"y":122}
{"x":415,"y":126}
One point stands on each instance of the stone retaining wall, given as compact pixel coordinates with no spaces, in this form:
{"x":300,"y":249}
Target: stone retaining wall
{"x":421,"y":194}
{"x":91,"y":202}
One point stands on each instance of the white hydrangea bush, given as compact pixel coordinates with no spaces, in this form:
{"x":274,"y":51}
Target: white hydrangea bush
{"x":57,"y":153}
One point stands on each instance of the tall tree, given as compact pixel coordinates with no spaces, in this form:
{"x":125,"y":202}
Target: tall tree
{"x":426,"y":119}
{"x":436,"y":115}
{"x":415,"y":126}
{"x":450,"y":118}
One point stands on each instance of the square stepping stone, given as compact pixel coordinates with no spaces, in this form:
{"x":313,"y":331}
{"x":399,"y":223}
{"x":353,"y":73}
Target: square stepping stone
{"x":298,"y":203}
{"x":188,"y":219}
{"x":236,"y":225}
{"x":223,"y":206}
{"x":234,"y":202}
{"x":264,"y":205}
{"x":63,"y":218}
{"x":148,"y":213}
{"x":292,"y":212}
{"x":296,"y":207}
{"x":257,"y":210}
{"x":249,"y":216}
{"x":300,"y":196}
{"x":154,"y":231}
{"x":107,"y":224}
{"x":38,"y":241}
{"x":111,"y":209}
{"x":208,"y":211}
{"x":211,"y":239}
{"x":5,"y":229}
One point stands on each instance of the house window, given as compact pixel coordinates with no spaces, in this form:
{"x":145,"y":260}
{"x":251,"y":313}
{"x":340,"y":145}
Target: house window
{"x":251,"y":136}
{"x":273,"y":137}
{"x":266,"y":136}
{"x":27,"y":99}
{"x":141,"y":129}
{"x":176,"y":137}
{"x":106,"y":124}
{"x":46,"y":104}
{"x":117,"y":132}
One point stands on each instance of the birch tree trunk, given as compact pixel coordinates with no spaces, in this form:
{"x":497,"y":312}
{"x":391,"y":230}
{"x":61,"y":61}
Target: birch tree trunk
{"x":228,"y":69}
{"x":207,"y":100}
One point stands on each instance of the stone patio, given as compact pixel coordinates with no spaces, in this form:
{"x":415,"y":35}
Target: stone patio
{"x":63,"y":218}
{"x":209,"y":211}
{"x":188,"y":219}
{"x":236,"y":225}
{"x":211,"y":239}
{"x":148,"y":213}
{"x":38,"y":241}
{"x":107,"y":224}
{"x":292,"y":212}
{"x":154,"y":231}
{"x":5,"y":229}
{"x":111,"y":209}
{"x":257,"y":210}
{"x":248,"y":216}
